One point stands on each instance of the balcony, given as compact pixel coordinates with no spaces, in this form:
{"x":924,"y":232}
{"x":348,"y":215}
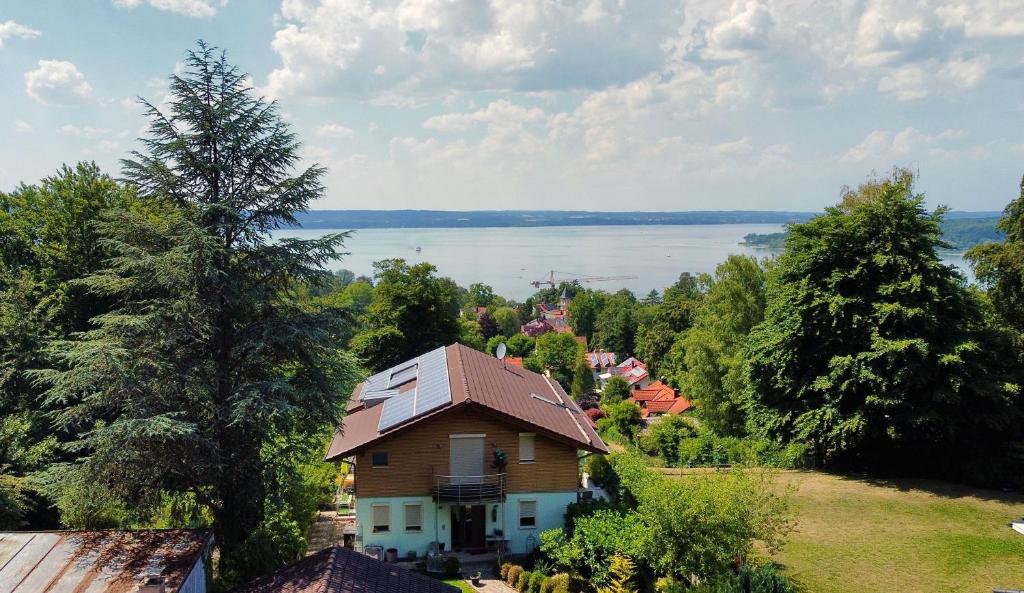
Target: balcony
{"x":465,"y":490}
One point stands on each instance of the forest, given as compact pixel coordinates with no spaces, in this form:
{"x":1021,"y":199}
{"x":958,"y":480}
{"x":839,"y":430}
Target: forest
{"x":164,"y":362}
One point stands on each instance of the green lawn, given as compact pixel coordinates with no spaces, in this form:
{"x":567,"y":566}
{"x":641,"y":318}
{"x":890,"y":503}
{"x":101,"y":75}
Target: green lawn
{"x":461,"y":584}
{"x":856,"y":535}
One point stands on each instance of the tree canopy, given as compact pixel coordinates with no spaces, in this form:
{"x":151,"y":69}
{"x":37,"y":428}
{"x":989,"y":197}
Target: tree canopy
{"x":871,"y":349}
{"x":205,"y":353}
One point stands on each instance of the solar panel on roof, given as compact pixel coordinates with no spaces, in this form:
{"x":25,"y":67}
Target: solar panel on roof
{"x":432,"y":391}
{"x":403,"y":375}
{"x":397,"y":410}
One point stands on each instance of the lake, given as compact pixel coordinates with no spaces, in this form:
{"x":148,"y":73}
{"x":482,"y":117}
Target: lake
{"x":508,"y":258}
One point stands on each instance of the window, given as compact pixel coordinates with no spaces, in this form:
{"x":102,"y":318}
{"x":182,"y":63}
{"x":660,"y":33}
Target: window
{"x":381,"y":518}
{"x":526,"y":446}
{"x":380,"y":459}
{"x":527,"y":514}
{"x":414,"y":517}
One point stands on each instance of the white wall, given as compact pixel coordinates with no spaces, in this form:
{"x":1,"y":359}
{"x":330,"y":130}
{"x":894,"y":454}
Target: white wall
{"x":437,"y":521}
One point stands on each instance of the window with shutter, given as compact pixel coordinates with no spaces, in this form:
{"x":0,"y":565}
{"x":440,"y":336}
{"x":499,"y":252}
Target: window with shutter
{"x":414,"y":517}
{"x":527,"y":514}
{"x":381,"y":518}
{"x":526,"y":446}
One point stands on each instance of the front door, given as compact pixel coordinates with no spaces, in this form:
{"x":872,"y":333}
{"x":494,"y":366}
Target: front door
{"x":466,"y":460}
{"x":469,"y":527}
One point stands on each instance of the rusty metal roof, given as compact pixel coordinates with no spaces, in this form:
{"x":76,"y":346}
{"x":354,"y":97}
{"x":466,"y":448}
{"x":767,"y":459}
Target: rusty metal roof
{"x":340,"y":570}
{"x":97,"y":561}
{"x":475,"y":378}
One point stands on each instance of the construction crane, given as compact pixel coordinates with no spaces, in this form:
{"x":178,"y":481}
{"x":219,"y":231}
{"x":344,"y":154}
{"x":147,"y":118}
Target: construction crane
{"x":550,"y":280}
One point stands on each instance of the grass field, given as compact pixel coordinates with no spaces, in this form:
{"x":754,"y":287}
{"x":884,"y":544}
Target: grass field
{"x":864,"y":536}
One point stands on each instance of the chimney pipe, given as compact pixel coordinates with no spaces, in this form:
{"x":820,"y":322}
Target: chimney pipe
{"x":153,"y":584}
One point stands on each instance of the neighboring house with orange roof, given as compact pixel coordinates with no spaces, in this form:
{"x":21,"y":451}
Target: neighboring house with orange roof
{"x":425,"y":437}
{"x":658,"y":399}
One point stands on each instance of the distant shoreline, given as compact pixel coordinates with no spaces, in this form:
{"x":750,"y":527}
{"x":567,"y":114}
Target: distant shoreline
{"x":375,"y":219}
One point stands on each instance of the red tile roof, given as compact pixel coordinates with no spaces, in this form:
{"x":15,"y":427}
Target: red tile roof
{"x":340,"y":570}
{"x":654,"y":392}
{"x":476,"y":379}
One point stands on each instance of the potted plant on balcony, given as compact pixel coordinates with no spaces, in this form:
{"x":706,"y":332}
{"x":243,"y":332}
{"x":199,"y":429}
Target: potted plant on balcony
{"x":500,"y":460}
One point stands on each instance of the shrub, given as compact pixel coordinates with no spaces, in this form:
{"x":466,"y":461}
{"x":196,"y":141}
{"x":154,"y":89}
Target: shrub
{"x":560,"y":583}
{"x":521,"y":582}
{"x":594,"y":414}
{"x":503,"y":570}
{"x":760,"y":579}
{"x":536,"y":578}
{"x":601,"y":472}
{"x":547,"y":585}
{"x":451,"y":567}
{"x":512,"y":576}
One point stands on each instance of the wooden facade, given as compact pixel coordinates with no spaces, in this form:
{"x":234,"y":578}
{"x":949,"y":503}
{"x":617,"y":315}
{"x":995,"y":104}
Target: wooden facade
{"x":419,"y":452}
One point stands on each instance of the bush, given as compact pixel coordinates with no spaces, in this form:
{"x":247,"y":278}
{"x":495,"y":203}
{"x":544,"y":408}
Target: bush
{"x":512,"y":576}
{"x":451,"y":567}
{"x":760,"y":579}
{"x":601,"y":472}
{"x":560,"y":583}
{"x":547,"y":585}
{"x":521,"y":582}
{"x":503,"y":570}
{"x":594,"y":541}
{"x":536,"y":578}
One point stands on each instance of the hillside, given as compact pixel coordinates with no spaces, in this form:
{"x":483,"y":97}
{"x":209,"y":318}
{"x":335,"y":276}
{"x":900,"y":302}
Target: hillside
{"x":959,"y":233}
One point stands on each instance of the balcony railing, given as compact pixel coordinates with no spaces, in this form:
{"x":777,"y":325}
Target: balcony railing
{"x":469,"y":489}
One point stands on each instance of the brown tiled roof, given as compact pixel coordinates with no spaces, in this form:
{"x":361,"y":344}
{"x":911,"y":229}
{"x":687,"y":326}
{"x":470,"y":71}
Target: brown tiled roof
{"x":98,"y":561}
{"x":507,"y":390}
{"x":340,"y":570}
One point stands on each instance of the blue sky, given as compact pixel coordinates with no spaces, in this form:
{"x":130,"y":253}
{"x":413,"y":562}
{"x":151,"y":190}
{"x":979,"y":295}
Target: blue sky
{"x":588,"y":104}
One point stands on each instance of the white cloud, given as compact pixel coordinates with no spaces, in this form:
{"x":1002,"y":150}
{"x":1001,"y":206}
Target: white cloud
{"x":339,"y":47}
{"x":57,"y":82}
{"x":11,"y":29}
{"x":333,"y":130}
{"x":22,"y":127}
{"x":193,"y":8}
{"x":882,"y":147}
{"x":83,"y":131}
{"x":908,"y":83}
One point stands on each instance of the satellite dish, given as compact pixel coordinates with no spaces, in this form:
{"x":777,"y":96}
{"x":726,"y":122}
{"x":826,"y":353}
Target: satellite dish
{"x":500,"y":351}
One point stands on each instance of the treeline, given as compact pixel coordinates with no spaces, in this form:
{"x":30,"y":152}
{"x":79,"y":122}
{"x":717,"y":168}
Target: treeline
{"x":374,"y":219}
{"x":957,"y":233}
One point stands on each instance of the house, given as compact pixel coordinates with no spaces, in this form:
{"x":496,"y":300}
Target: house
{"x":632,"y":370}
{"x":659,"y":399}
{"x":426,"y":438}
{"x":600,"y":363}
{"x":536,"y":328}
{"x":142,"y":561}
{"x":340,"y":570}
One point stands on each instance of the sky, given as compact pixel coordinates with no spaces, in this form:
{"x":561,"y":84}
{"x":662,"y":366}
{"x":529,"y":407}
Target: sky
{"x":552,"y":104}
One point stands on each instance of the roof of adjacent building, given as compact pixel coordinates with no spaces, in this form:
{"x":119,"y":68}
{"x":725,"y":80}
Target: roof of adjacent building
{"x":668,"y":406}
{"x":598,"y":360}
{"x":536,"y":327}
{"x":340,"y":570}
{"x":654,"y":392}
{"x":97,"y":561}
{"x":476,"y":379}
